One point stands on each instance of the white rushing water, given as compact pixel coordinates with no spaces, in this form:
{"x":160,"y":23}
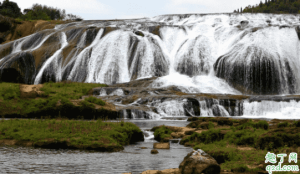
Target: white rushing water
{"x":199,"y":53}
{"x":54,"y":60}
{"x":272,"y":109}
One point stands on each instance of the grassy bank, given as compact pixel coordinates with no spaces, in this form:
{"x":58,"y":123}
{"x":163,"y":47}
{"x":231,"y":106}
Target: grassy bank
{"x":58,"y":99}
{"x":239,"y":145}
{"x":51,"y":133}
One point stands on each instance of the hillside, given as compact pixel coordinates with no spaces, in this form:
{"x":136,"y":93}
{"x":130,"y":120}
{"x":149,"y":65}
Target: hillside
{"x":12,"y":29}
{"x":274,"y":6}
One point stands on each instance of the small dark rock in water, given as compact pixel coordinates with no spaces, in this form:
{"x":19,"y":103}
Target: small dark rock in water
{"x":154,"y":151}
{"x":143,"y":147}
{"x":244,"y":23}
{"x":298,"y":31}
{"x":139,"y":33}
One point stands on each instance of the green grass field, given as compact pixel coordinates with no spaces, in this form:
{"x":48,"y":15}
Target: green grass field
{"x":53,"y":92}
{"x":98,"y":134}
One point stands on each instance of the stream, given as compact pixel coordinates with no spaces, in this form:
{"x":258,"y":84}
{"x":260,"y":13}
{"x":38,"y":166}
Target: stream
{"x":131,"y":159}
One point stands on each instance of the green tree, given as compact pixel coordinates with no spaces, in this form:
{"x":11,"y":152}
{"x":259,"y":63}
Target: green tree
{"x":10,"y":9}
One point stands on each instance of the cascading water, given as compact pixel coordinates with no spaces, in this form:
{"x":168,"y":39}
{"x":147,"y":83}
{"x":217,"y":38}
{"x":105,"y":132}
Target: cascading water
{"x":217,"y":54}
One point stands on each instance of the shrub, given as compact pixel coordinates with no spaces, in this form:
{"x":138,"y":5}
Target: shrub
{"x":161,"y":133}
{"x":241,"y":137}
{"x":10,"y":9}
{"x":10,"y":93}
{"x":262,"y":124}
{"x":95,"y":100}
{"x":284,"y":124}
{"x":206,"y":137}
{"x":86,"y":105}
{"x":297,"y":123}
{"x":210,"y":125}
{"x":224,"y":121}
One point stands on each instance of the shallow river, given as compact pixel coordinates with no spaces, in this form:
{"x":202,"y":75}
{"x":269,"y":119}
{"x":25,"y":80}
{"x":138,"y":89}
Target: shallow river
{"x":131,"y":159}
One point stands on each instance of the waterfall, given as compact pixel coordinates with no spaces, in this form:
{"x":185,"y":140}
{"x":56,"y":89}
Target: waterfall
{"x":54,"y":61}
{"x":272,"y":109}
{"x":218,"y":60}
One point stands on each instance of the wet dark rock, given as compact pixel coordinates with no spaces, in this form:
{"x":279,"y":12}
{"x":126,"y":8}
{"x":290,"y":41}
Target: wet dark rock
{"x":216,"y":110}
{"x":91,"y":34}
{"x":284,"y":26}
{"x":192,"y":107}
{"x":154,"y":151}
{"x":244,"y":23}
{"x":298,"y":31}
{"x":19,"y":68}
{"x":139,"y":33}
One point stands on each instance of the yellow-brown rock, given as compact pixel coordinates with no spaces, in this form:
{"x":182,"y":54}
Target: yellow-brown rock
{"x":30,"y":91}
{"x":161,"y":145}
{"x":150,"y":172}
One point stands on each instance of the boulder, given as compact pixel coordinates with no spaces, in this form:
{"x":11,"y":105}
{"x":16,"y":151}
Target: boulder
{"x":30,"y":91}
{"x":244,"y":23}
{"x":139,"y":33}
{"x":161,"y":145}
{"x":199,"y":162}
{"x":154,"y":151}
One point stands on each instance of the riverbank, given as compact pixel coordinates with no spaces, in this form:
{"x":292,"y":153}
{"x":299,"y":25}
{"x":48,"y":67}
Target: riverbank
{"x":238,"y":145}
{"x":61,"y":99}
{"x":94,"y":135}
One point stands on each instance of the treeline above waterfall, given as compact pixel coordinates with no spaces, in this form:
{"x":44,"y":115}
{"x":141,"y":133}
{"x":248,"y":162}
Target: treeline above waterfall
{"x":274,"y":6}
{"x":36,"y":12}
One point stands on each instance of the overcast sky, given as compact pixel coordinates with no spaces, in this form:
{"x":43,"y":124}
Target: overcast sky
{"x":125,"y":9}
